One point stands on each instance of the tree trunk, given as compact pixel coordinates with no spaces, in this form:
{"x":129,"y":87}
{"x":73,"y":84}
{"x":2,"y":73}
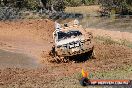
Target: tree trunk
{"x":43,"y":3}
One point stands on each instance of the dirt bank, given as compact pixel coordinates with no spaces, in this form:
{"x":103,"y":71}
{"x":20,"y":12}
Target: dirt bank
{"x":32,"y":37}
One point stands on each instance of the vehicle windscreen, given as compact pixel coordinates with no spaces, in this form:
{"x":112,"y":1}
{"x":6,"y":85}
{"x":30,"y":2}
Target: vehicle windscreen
{"x":69,"y":34}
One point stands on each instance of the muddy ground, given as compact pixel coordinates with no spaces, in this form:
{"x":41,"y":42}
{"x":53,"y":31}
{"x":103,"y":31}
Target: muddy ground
{"x":33,"y":39}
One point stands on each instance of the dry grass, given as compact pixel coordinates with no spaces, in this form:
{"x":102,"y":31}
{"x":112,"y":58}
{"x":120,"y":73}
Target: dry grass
{"x":109,"y":40}
{"x":83,"y":9}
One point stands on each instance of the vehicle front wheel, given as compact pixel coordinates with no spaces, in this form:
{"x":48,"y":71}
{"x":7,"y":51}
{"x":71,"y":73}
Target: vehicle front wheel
{"x":91,"y":54}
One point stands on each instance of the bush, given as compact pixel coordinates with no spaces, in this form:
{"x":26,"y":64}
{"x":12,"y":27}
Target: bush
{"x":88,"y":2}
{"x":7,"y":13}
{"x":123,"y":7}
{"x":29,"y":4}
{"x":73,"y":3}
{"x":80,"y":2}
{"x":32,"y":4}
{"x":59,"y":5}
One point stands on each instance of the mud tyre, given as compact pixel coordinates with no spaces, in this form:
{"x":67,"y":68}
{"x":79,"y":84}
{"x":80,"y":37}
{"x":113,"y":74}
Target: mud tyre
{"x":91,"y":54}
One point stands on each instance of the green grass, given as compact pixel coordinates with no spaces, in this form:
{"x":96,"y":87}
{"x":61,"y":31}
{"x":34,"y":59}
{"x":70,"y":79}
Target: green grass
{"x":124,"y":73}
{"x":120,"y":73}
{"x":109,"y":40}
{"x":73,"y":81}
{"x":126,"y":43}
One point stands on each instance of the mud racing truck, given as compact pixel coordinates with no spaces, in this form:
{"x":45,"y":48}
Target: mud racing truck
{"x":71,"y":40}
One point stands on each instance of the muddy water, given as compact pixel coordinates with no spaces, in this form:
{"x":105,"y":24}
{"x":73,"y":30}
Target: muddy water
{"x":11,"y":60}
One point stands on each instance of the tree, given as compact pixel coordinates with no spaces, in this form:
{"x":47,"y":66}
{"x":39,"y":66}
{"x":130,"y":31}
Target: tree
{"x":44,"y":2}
{"x":58,"y":5}
{"x":123,"y":7}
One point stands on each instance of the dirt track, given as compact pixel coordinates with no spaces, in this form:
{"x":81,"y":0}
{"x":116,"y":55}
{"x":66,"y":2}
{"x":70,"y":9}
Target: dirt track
{"x":33,"y":37}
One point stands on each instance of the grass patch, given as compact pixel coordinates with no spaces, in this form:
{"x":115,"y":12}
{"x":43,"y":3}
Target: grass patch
{"x":126,"y":43}
{"x":124,"y":73}
{"x":83,"y":9}
{"x":109,"y":40}
{"x":73,"y":81}
{"x":106,"y":40}
{"x":121,"y":73}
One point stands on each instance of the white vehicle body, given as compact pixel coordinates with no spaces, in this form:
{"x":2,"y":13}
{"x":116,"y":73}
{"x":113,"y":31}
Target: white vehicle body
{"x":72,"y":40}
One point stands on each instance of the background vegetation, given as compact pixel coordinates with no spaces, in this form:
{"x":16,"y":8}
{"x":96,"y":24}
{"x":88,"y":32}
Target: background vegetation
{"x":74,"y":3}
{"x":122,"y":7}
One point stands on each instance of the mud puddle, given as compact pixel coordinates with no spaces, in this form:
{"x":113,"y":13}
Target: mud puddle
{"x":16,"y":60}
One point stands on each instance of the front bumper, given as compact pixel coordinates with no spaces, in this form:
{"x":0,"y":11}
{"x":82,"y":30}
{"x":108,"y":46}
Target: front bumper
{"x":75,"y":51}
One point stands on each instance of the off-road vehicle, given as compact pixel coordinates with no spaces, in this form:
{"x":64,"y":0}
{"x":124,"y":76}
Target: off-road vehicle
{"x":71,"y":41}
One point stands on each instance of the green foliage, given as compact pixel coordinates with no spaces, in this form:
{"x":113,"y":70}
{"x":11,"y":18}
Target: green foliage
{"x":59,"y":5}
{"x":109,"y":40}
{"x":120,"y":6}
{"x":7,"y":13}
{"x":106,"y":40}
{"x":32,"y":4}
{"x":73,"y":3}
{"x":88,"y":2}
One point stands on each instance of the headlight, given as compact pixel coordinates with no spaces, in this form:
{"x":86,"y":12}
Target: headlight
{"x":62,"y":47}
{"x":65,"y":46}
{"x":59,"y":46}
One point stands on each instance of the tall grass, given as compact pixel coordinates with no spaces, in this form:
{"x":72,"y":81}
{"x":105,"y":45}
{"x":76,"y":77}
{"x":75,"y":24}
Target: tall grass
{"x":83,"y":9}
{"x":109,"y":40}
